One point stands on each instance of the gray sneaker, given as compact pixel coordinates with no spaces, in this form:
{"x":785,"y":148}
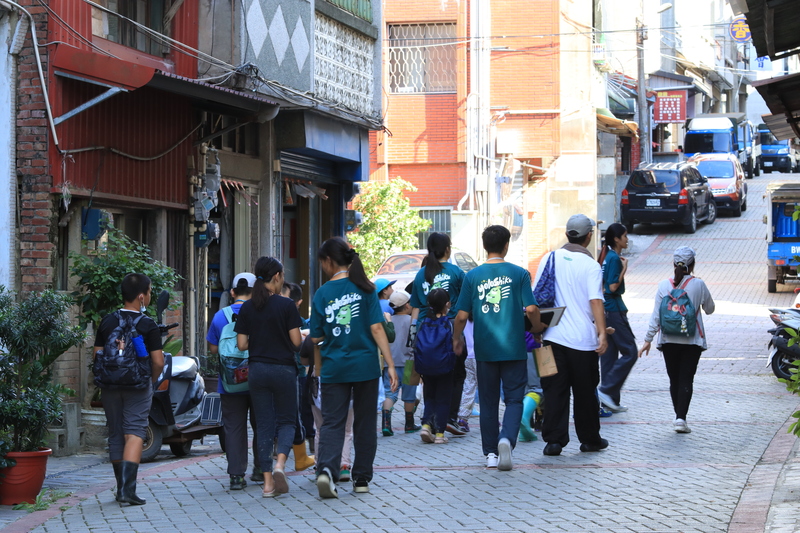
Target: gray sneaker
{"x":325,"y":484}
{"x":504,"y":453}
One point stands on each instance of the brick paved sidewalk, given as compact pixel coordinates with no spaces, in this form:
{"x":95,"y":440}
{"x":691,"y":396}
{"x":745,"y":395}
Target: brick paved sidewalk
{"x":737,"y":471}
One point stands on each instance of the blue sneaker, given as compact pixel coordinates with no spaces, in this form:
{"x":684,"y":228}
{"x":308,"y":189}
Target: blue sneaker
{"x":605,"y":413}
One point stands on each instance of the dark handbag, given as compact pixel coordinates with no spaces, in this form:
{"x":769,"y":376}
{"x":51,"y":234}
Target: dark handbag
{"x":545,"y":291}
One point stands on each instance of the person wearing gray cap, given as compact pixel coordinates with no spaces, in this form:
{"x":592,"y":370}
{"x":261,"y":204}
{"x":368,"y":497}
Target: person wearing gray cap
{"x":682,"y":349}
{"x":577,"y":340}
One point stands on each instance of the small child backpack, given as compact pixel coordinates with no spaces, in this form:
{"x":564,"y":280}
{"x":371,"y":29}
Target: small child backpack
{"x":433,"y":347}
{"x":120,"y":368}
{"x":678,"y":315}
{"x":233,"y":363}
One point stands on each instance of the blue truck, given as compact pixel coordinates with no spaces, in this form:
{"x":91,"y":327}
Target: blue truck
{"x":783,"y":233}
{"x":730,"y":133}
{"x":777,"y":155}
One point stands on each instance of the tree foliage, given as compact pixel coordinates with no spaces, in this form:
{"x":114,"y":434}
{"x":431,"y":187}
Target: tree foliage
{"x":389,"y":223}
{"x":100,"y":275}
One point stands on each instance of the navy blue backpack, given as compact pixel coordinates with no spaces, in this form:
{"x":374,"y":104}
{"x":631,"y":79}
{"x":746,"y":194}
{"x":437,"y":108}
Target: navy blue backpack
{"x":545,"y":291}
{"x":433,"y":347}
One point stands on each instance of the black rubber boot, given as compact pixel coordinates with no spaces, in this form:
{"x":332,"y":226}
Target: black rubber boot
{"x":411,"y":427}
{"x":118,"y":474}
{"x":387,"y":423}
{"x":129,"y":471}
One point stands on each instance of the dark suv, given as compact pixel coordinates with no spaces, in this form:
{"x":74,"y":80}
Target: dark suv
{"x":667,"y":192}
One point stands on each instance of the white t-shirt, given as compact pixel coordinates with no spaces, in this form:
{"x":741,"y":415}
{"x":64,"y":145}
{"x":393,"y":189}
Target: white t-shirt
{"x":579,"y":279}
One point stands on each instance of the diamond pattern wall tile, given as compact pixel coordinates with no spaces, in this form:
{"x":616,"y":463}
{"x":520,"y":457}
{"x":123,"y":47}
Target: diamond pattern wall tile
{"x":300,"y":44}
{"x":279,"y":35}
{"x":256,"y":26}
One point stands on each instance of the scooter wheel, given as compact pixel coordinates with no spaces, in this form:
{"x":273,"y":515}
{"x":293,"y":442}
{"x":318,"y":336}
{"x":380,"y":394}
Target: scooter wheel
{"x":782,"y":365}
{"x":152,"y":442}
{"x":181,"y":450}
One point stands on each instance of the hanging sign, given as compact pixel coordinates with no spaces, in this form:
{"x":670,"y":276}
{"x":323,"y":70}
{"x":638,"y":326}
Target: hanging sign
{"x":670,"y":107}
{"x":739,"y":30}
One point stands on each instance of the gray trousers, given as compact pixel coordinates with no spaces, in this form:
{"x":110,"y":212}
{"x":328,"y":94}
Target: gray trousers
{"x":234,"y":419}
{"x":127,"y":413}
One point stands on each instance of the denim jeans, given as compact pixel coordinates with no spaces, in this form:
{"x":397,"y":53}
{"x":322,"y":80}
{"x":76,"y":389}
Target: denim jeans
{"x":335,"y":405}
{"x":273,"y":391}
{"x":620,"y":356}
{"x":513,"y":375}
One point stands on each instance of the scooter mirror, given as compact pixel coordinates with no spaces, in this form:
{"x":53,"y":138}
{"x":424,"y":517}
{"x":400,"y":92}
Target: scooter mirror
{"x":161,"y":304}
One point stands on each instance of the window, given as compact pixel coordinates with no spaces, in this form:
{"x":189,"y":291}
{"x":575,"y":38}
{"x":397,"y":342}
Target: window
{"x":440,"y":222}
{"x":422,"y":58}
{"x":148,"y":13}
{"x":242,"y":140}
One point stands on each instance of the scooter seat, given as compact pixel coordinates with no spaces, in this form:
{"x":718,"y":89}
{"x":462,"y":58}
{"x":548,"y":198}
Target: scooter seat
{"x":184,"y":367}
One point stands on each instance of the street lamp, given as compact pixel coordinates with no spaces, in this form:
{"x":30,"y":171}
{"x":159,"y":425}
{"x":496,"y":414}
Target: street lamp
{"x":644,"y":112}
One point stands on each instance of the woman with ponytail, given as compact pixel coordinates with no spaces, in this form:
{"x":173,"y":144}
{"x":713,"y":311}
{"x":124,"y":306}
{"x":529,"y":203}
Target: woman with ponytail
{"x":347,"y":331}
{"x":620,"y":356}
{"x":681,"y":353}
{"x":440,"y":273}
{"x":268,"y":325}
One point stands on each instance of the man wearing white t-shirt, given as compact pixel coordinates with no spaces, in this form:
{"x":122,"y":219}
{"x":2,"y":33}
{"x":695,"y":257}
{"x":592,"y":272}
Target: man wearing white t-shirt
{"x":577,"y":341}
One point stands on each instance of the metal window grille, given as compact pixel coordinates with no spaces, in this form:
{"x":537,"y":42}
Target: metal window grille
{"x":440,"y":222}
{"x":149,"y":13}
{"x":422,"y":58}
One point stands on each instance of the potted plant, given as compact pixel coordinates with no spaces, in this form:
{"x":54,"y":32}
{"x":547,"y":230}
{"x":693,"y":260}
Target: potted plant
{"x":99,"y":273}
{"x":34,"y":332}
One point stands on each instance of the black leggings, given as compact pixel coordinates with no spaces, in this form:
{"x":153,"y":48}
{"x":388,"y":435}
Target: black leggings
{"x":681,"y":362}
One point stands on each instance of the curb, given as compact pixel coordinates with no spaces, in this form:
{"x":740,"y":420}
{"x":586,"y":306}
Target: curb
{"x":752,"y":511}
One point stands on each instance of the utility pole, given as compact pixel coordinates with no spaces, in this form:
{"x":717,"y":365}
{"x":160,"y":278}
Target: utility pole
{"x":644,"y":113}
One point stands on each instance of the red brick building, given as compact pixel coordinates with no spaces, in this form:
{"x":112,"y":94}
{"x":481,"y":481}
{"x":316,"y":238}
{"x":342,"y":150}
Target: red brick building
{"x":487,"y":117}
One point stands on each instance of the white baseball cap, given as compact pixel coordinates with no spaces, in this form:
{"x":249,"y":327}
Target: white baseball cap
{"x":247,"y":276}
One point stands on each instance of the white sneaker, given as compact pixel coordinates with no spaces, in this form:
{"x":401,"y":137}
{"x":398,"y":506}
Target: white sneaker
{"x":612,"y":406}
{"x":680,"y":426}
{"x":491,"y":461}
{"x":504,"y":450}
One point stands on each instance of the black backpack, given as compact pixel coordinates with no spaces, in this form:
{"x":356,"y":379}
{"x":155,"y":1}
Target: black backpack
{"x":121,"y":369}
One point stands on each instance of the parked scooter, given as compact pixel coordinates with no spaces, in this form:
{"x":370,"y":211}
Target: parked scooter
{"x":182,"y":411}
{"x":781,"y":355}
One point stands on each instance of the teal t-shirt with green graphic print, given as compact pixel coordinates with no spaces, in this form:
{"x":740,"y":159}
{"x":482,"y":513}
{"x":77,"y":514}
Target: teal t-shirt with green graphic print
{"x":343,"y":314}
{"x":450,"y":279}
{"x":496,"y":294}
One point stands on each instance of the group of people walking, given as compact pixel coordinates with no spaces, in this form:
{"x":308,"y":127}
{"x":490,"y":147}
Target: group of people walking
{"x":451,"y":330}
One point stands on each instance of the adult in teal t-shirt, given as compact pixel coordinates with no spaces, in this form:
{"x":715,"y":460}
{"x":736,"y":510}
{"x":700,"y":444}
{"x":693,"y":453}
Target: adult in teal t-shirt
{"x":440,"y":273}
{"x":346,"y":319}
{"x":343,"y":314}
{"x":449,"y":277}
{"x":622,"y":353}
{"x":496,"y":294}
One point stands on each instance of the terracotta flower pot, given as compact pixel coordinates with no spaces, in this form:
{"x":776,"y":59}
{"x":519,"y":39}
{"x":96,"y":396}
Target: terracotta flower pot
{"x":23,"y":482}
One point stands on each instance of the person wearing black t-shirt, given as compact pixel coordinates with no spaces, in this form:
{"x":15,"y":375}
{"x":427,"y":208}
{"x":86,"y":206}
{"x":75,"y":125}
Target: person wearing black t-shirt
{"x":127,"y":410}
{"x":268,"y":326}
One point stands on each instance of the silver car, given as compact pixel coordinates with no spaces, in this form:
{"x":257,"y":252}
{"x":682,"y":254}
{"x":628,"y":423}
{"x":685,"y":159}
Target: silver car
{"x":403,"y":266}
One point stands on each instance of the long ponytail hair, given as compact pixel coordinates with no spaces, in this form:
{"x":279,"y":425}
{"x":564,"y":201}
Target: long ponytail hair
{"x":266,"y":269}
{"x":681,"y":270}
{"x":613,"y":232}
{"x":437,"y":247}
{"x":337,"y":250}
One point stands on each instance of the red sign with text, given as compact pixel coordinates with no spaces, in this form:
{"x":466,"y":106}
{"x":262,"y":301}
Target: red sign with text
{"x":670,"y":107}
